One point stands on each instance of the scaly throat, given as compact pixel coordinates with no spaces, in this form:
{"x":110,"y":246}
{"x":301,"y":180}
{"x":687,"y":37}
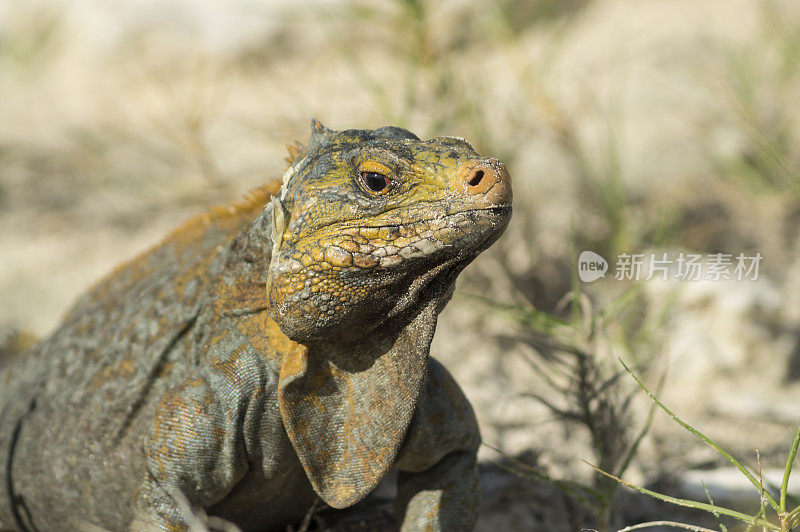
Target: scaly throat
{"x":346,"y":407}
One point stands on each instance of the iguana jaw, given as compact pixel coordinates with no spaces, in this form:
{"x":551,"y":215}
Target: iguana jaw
{"x":349,"y":282}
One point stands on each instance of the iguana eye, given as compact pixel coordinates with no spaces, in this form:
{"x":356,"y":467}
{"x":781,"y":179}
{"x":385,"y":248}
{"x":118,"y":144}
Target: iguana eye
{"x":375,"y":182}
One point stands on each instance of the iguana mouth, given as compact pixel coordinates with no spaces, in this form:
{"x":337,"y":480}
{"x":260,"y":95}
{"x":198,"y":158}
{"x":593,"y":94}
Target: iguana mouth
{"x":501,"y":210}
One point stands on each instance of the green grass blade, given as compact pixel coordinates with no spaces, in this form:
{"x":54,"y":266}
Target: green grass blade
{"x":707,"y":440}
{"x":620,"y":303}
{"x":642,"y":433}
{"x":673,"y":524}
{"x":788,"y":469}
{"x":722,"y":527}
{"x":759,"y":515}
{"x":576,"y":284}
{"x":529,"y":472}
{"x":792,"y":517}
{"x":711,"y":508}
{"x":537,"y":320}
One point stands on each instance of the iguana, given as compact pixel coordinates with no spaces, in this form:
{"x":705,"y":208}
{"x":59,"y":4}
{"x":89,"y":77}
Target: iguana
{"x":266,"y":353}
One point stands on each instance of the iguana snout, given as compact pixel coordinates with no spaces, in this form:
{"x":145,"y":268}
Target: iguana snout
{"x":486,"y":181}
{"x":373,"y":220}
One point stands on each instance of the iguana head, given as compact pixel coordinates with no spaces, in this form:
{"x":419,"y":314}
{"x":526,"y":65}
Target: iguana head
{"x":368,"y":219}
{"x":368,"y":235}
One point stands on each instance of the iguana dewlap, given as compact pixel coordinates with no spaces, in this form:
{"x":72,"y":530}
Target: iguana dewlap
{"x":266,"y":354}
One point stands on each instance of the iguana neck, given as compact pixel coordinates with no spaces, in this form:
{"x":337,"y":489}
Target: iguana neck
{"x":346,"y":403}
{"x":241,"y":288}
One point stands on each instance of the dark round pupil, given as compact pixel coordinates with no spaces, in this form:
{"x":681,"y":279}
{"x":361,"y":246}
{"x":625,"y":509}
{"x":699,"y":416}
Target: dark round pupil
{"x":375,"y":181}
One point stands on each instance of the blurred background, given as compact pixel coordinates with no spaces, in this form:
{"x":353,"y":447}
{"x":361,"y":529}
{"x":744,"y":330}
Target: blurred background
{"x":663,"y":126}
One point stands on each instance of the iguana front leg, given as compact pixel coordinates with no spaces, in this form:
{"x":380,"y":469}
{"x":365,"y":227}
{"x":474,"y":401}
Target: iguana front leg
{"x":196,"y":448}
{"x":438,"y":485}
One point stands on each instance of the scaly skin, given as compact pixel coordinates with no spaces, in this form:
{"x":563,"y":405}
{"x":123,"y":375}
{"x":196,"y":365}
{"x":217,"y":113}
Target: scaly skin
{"x":266,"y":354}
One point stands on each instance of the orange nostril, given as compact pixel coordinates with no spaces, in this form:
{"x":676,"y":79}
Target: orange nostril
{"x":485,"y":181}
{"x":476,"y":178}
